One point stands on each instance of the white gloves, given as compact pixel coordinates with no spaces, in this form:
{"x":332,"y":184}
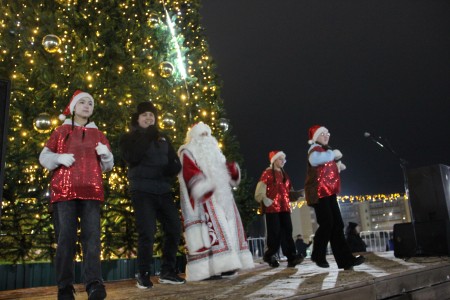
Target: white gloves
{"x":337,"y":154}
{"x":267,"y":202}
{"x":65,"y":159}
{"x":340,"y":166}
{"x":51,"y":160}
{"x":103,"y":151}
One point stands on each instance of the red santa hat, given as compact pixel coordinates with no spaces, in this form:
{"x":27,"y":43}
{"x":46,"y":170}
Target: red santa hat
{"x":77,"y":96}
{"x":314,"y":132}
{"x":276,"y":154}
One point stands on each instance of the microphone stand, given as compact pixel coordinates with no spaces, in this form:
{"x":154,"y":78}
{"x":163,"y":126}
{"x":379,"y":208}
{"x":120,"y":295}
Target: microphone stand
{"x":403,"y":162}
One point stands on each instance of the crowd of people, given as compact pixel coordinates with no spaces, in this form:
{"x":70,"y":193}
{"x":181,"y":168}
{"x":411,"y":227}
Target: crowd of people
{"x":77,"y":154}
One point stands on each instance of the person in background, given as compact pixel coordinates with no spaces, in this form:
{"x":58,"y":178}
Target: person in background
{"x":77,"y":153}
{"x":214,"y":235}
{"x":301,"y":246}
{"x":322,"y":185}
{"x":353,"y":239}
{"x":152,"y":166}
{"x":272,"y":192}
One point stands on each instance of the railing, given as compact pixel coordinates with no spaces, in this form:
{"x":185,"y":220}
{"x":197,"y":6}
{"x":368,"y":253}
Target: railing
{"x":376,"y":241}
{"x":256,"y":246}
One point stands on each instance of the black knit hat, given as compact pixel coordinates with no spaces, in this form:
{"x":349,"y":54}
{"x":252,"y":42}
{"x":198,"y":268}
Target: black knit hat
{"x":146,"y":106}
{"x":142,"y":108}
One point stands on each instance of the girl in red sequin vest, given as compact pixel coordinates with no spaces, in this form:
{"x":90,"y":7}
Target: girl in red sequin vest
{"x":322,"y":185}
{"x":77,"y":153}
{"x":272,"y":192}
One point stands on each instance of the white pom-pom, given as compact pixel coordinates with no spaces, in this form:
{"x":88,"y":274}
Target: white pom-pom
{"x":310,"y":142}
{"x":62,"y":117}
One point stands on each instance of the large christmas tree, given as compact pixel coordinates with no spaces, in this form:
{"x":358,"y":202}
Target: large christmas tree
{"x":121,"y":52}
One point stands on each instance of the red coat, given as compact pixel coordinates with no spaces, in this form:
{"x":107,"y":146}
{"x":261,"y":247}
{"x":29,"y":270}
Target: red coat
{"x":213,"y":229}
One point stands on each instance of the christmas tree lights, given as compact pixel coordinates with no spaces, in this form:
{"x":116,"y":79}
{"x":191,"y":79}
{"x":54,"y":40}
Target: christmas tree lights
{"x":122,"y":53}
{"x":359,"y":198}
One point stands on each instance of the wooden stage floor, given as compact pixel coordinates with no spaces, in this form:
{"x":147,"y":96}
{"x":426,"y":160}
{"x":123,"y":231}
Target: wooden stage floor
{"x":382,"y":276}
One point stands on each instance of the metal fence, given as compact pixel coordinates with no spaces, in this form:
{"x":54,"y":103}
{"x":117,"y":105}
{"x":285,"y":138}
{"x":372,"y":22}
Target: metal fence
{"x":256,"y":246}
{"x":376,"y":241}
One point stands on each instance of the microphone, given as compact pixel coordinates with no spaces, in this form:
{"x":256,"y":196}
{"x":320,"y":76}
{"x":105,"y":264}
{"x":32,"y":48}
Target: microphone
{"x":388,"y":146}
{"x":376,"y":140}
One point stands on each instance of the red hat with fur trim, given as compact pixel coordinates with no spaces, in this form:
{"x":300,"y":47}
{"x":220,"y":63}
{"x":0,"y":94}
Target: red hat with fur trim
{"x":314,"y":132}
{"x":274,"y":155}
{"x":77,"y":96}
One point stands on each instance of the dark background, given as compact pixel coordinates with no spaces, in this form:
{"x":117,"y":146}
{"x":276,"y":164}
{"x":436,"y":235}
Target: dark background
{"x":353,"y":66}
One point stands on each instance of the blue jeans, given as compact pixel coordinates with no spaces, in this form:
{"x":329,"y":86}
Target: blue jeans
{"x":147,"y":209}
{"x":68,"y":212}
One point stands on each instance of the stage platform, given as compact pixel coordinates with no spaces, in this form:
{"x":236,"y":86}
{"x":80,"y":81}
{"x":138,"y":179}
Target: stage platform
{"x":382,"y":277}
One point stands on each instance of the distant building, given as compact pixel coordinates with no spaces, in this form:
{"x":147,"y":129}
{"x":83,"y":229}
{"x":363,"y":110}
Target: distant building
{"x":372,"y":213}
{"x":379,"y":213}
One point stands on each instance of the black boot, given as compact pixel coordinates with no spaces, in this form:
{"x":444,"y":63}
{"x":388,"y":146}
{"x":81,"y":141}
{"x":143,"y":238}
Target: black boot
{"x":66,"y":293}
{"x":272,"y":261}
{"x":96,"y":291}
{"x":295,"y":260}
{"x":356,"y":261}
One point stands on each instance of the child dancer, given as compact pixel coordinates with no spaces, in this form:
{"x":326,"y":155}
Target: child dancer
{"x":272,"y":192}
{"x":322,"y":185}
{"x":77,"y":153}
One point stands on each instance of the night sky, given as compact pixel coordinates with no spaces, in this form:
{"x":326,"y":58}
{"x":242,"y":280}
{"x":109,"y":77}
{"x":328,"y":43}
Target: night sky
{"x":353,"y":66}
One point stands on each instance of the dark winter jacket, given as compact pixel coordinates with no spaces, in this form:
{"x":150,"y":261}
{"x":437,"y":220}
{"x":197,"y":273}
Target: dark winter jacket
{"x":355,"y":242}
{"x":151,"y":159}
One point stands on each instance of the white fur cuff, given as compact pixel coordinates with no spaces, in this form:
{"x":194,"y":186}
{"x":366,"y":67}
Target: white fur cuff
{"x":200,"y":186}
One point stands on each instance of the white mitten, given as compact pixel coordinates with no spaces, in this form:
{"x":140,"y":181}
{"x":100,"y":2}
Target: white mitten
{"x":337,"y":154}
{"x":267,"y":202}
{"x":341,"y":166}
{"x":103,"y":151}
{"x":65,"y":159}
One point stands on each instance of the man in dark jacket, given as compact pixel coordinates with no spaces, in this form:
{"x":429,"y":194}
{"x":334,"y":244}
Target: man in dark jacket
{"x":152,"y":166}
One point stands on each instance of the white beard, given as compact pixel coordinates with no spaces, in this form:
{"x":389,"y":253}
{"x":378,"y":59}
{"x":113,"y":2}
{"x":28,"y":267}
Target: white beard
{"x":212,"y":162}
{"x":208,"y":156}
